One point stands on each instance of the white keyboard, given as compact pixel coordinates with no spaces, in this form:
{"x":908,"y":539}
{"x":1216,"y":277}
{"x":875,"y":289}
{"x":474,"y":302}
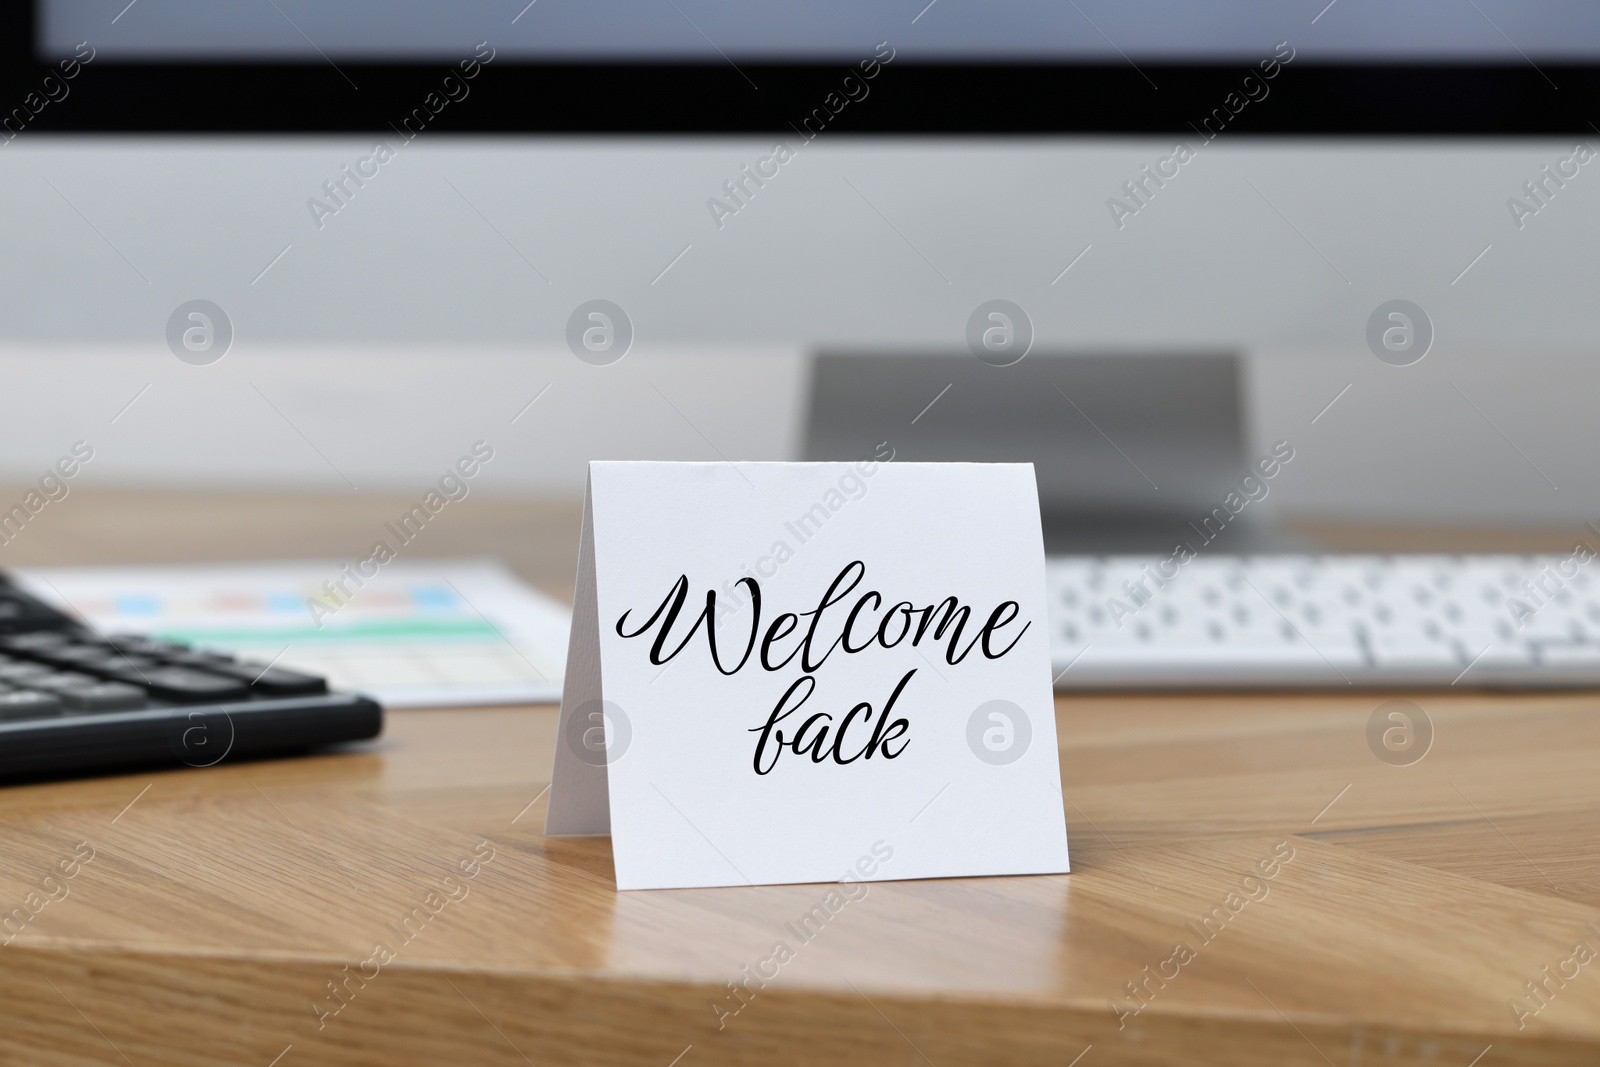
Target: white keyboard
{"x":1324,"y":621}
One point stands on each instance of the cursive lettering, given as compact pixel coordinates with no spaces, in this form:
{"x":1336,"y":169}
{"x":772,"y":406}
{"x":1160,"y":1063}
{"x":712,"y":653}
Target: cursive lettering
{"x":948,"y":616}
{"x":847,"y":617}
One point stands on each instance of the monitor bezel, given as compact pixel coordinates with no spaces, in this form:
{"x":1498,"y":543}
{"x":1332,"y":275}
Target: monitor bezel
{"x":716,"y":98}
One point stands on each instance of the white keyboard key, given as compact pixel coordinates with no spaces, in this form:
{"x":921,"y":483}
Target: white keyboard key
{"x":1502,"y":657}
{"x":1412,"y":654}
{"x":1179,"y":666}
{"x":1574,"y":655}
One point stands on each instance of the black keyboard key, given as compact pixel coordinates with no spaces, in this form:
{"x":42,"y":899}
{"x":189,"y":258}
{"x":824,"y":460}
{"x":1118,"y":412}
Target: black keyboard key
{"x":23,"y":704}
{"x":148,"y":646}
{"x":70,"y":656}
{"x":58,"y":682}
{"x":17,"y":672}
{"x":132,"y":668}
{"x":134,"y":643}
{"x":271,"y":681}
{"x":27,"y":643}
{"x":69,"y":649}
{"x":203,"y":660}
{"x":183,"y":684}
{"x":106,"y":696}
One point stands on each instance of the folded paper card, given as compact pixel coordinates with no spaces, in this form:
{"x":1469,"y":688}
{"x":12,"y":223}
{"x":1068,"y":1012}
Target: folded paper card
{"x":777,"y":669}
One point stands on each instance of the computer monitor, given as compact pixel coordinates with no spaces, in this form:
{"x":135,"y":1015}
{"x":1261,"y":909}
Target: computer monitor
{"x":1338,"y":156}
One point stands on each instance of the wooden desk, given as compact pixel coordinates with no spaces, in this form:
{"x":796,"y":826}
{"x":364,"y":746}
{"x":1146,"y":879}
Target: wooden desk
{"x":219,"y":904}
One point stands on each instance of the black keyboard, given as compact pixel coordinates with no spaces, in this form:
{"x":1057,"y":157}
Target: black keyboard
{"x":73,"y":701}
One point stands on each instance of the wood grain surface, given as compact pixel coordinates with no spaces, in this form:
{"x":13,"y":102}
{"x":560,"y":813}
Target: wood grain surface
{"x":231,"y":915}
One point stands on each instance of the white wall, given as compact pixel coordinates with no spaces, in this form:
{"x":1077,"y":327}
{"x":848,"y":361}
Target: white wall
{"x":411,"y":324}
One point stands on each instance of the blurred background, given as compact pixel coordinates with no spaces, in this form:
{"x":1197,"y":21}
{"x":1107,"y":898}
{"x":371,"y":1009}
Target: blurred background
{"x":383,"y":309}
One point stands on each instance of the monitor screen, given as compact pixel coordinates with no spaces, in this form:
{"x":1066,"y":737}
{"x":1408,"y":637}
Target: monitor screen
{"x":1159,"y":31}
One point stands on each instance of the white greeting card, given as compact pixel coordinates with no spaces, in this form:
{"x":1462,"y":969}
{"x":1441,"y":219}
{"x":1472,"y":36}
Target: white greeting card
{"x":808,"y":672}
